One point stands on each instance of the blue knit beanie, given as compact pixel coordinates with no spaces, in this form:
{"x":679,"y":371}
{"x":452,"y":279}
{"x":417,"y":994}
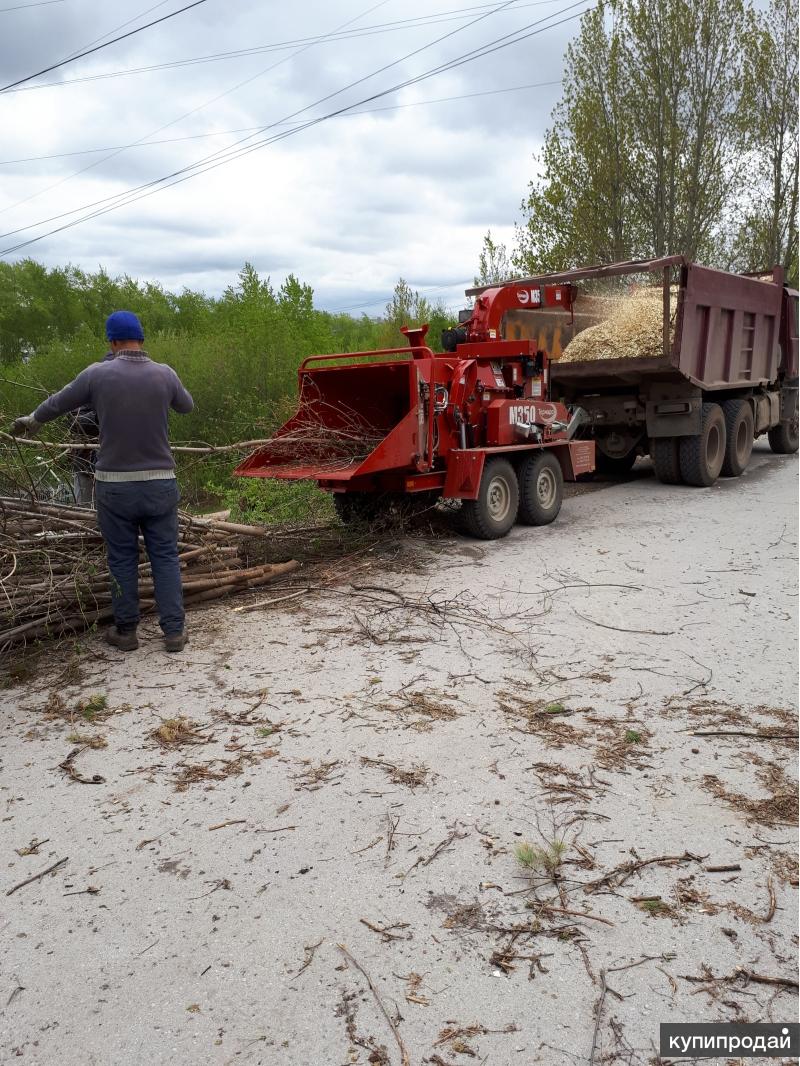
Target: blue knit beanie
{"x":124,"y":326}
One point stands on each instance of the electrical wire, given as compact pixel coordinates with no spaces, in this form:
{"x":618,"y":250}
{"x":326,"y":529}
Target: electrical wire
{"x":24,"y":7}
{"x":185,"y":173}
{"x":241,"y":53}
{"x":102,"y":37}
{"x":254,"y":129}
{"x":172,"y":122}
{"x":97,"y":48}
{"x":286,"y":118}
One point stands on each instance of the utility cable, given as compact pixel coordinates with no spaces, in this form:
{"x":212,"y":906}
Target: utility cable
{"x":255,"y":129}
{"x":205,"y":159}
{"x":97,"y":48}
{"x":148,"y":189}
{"x":241,"y":53}
{"x":172,"y":122}
{"x":24,"y":7}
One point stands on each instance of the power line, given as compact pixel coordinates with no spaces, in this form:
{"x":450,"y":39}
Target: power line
{"x":172,"y":122}
{"x":97,"y":48}
{"x":210,"y":163}
{"x":252,"y":129}
{"x":205,"y":159}
{"x":24,"y":7}
{"x":241,"y":53}
{"x":108,"y":33}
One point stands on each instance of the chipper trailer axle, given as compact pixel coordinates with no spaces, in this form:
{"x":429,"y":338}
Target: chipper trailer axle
{"x":474,"y":423}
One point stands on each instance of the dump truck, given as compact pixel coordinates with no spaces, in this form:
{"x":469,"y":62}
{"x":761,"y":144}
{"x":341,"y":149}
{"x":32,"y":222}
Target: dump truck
{"x":702,"y":363}
{"x":716,"y":368}
{"x":474,"y":423}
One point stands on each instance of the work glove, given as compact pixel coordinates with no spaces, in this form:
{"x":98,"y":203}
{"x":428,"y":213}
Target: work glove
{"x":25,"y":426}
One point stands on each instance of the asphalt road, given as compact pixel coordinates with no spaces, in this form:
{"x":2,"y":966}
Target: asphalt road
{"x":359,"y":768}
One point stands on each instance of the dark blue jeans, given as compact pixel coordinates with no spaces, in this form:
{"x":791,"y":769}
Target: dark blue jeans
{"x":124,"y":509}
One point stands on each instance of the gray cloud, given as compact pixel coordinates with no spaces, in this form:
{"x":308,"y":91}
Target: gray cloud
{"x":348,"y":206}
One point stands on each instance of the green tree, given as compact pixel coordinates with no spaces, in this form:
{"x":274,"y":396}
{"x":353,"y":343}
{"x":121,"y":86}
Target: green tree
{"x":642,"y":156}
{"x":767,"y":232}
{"x":579,"y":209}
{"x":494,"y":265}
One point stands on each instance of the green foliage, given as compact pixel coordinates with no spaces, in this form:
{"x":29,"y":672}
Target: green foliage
{"x":266,"y":502}
{"x":544,"y":859}
{"x":493,"y":263}
{"x":91,"y":707}
{"x":238,"y":356}
{"x":632,"y":736}
{"x":676,"y":133}
{"x":767,"y":230}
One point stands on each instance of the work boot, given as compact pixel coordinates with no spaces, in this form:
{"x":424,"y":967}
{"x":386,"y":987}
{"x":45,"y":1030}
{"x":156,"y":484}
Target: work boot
{"x":175,"y":641}
{"x":125,"y":641}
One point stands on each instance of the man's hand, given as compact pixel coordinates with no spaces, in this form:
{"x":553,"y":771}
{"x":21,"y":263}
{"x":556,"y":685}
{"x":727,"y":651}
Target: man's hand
{"x":25,"y":426}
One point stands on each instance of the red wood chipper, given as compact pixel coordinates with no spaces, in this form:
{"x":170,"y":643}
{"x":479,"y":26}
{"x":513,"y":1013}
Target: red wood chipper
{"x":474,"y":423}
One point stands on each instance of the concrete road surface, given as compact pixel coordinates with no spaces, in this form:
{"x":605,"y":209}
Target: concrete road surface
{"x":504,"y":803}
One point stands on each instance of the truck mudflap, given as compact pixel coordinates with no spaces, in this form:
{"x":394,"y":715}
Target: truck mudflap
{"x":576,"y":457}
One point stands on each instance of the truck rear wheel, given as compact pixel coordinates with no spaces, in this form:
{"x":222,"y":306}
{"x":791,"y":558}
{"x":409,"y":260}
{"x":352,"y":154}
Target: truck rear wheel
{"x":665,"y":453}
{"x":614,"y":465}
{"x":495,"y":511}
{"x":784,"y":438}
{"x":702,"y":455}
{"x":541,"y":489}
{"x":739,"y":437}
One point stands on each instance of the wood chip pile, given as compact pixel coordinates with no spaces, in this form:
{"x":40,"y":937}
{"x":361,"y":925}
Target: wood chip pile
{"x":632,"y":329}
{"x":54,"y":579}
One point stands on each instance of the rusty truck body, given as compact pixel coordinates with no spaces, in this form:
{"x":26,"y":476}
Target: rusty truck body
{"x":725,"y":373}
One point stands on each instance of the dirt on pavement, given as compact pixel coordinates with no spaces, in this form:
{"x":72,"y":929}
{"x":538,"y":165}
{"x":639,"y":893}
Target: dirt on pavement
{"x":509,"y":803}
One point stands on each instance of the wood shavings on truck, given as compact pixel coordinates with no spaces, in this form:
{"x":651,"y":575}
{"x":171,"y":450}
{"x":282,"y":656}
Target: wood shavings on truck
{"x":633,"y":329}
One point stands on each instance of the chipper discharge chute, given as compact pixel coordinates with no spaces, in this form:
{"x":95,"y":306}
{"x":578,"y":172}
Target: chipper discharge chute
{"x":474,"y":423}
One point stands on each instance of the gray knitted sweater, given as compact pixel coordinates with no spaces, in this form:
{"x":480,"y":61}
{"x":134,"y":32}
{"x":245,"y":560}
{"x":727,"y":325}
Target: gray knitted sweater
{"x":132,"y":396}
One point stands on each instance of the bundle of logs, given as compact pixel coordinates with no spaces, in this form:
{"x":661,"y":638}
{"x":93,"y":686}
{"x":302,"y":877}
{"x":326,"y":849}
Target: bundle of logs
{"x":54,"y":579}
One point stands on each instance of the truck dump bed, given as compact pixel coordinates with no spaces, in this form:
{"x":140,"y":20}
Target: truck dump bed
{"x":719,"y":330}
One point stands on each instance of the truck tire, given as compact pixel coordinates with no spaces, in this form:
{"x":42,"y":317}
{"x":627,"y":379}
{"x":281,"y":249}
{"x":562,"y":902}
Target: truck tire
{"x":702,"y":456}
{"x":738,"y":437}
{"x":541,"y":489}
{"x":614,"y":465}
{"x":665,"y":453}
{"x":783,"y":438}
{"x":494,"y":512}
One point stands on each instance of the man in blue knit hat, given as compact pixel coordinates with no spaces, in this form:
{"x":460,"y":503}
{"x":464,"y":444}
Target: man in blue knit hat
{"x":135,"y":484}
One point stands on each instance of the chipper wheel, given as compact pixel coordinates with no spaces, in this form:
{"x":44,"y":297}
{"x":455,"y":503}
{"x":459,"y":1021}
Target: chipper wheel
{"x":495,"y":511}
{"x":739,"y":437}
{"x":665,"y":453}
{"x":355,"y":508}
{"x":541,"y":489}
{"x":702,"y":455}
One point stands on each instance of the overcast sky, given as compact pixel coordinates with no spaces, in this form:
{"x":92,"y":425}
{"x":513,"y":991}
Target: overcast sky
{"x":348,"y":205}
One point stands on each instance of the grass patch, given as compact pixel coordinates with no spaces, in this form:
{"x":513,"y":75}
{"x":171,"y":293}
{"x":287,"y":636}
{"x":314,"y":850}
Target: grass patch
{"x":544,"y":859}
{"x":93,"y":708}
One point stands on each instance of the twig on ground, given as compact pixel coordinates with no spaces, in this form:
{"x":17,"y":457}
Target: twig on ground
{"x":310,"y":951}
{"x":404,"y":1057}
{"x":37,"y":877}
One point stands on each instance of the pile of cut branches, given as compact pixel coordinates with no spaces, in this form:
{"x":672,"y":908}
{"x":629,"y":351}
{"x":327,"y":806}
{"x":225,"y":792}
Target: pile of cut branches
{"x":54,"y":579}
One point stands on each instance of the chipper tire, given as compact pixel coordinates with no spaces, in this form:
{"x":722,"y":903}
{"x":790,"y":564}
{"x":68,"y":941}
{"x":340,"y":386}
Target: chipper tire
{"x":702,"y":454}
{"x":541,"y":489}
{"x":739,"y":437}
{"x":356,"y":508}
{"x":665,"y":453}
{"x":494,"y":512}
